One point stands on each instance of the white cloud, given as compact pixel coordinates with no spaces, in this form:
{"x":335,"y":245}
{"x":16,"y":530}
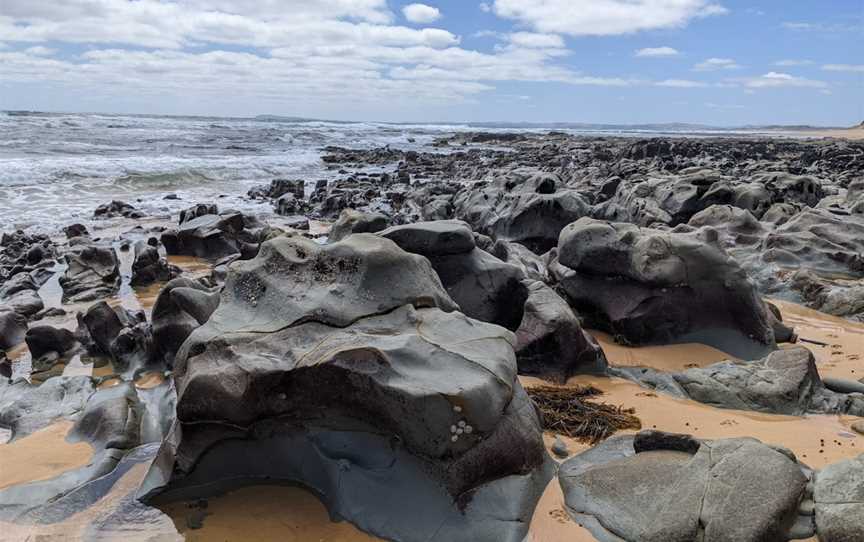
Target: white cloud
{"x":485,"y":7}
{"x":535,"y":40}
{"x":713,"y":64}
{"x":421,"y":13}
{"x":681,"y":83}
{"x":779,"y":79}
{"x":40,"y":51}
{"x":604,"y":17}
{"x":843,"y":67}
{"x":657,"y":52}
{"x":712,"y":105}
{"x":793,"y":62}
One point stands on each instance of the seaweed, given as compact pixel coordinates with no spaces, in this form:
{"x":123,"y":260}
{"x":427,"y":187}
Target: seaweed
{"x":569,"y":412}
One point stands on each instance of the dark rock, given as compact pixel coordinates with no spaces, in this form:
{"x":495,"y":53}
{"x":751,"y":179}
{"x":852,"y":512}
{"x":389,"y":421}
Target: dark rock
{"x":42,"y":340}
{"x":93,"y":273}
{"x":735,"y":489}
{"x":550,"y":341}
{"x":76,"y":230}
{"x":351,"y":221}
{"x":215,"y":236}
{"x":149,"y":267}
{"x":13,"y":327}
{"x":181,"y":307}
{"x":839,"y":498}
{"x":649,"y":286}
{"x":649,"y":441}
{"x":117,"y":209}
{"x":353,"y":333}
{"x":195,"y":211}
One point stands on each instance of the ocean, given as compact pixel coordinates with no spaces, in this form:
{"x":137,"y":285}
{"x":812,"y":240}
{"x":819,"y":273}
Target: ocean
{"x":55,"y":169}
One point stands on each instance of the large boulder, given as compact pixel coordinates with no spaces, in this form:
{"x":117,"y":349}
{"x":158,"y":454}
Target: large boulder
{"x":820,"y":241}
{"x":526,"y":209}
{"x":678,"y":489}
{"x":182,"y":306}
{"x":26,"y":408}
{"x":339,"y":367}
{"x":13,"y":326}
{"x":149,"y":266}
{"x":485,"y":288}
{"x":42,"y":340}
{"x":93,"y":273}
{"x":351,"y":221}
{"x":651,"y":286}
{"x":116,"y":209}
{"x":215,"y":236}
{"x":550,"y":341}
{"x":839,"y":499}
{"x":784,"y":382}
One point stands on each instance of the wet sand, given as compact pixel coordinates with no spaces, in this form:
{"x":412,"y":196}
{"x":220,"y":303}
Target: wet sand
{"x":272,"y":513}
{"x":41,"y":456}
{"x":667,"y":357}
{"x":843,"y":357}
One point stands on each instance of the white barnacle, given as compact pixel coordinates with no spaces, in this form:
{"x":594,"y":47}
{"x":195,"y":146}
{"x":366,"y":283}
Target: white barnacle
{"x":459,"y":431}
{"x":468,"y":429}
{"x":452,"y":428}
{"x":461,"y":423}
{"x":454,"y":438}
{"x":457,"y":408}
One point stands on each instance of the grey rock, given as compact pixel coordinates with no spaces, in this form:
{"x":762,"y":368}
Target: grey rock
{"x":839,"y":498}
{"x":149,"y":266}
{"x":648,"y":286}
{"x":13,"y":327}
{"x":93,"y":273}
{"x":351,"y":221}
{"x":42,"y":340}
{"x":735,"y":489}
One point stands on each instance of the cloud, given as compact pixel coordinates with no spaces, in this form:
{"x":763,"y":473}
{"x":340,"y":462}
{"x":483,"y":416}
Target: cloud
{"x":535,"y":40}
{"x":681,"y":83}
{"x":712,"y":105}
{"x":604,"y":17}
{"x":801,"y":26}
{"x":653,"y":52}
{"x":777,"y":79}
{"x":843,"y":67}
{"x":713,"y":64}
{"x":793,"y":62}
{"x":40,"y":51}
{"x":421,"y":13}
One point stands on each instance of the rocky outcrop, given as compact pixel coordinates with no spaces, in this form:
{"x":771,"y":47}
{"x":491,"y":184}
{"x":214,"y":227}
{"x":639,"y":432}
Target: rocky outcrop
{"x":216,"y":236}
{"x":351,"y":221}
{"x":149,"y":266}
{"x":13,"y":327}
{"x":839,"y":499}
{"x":183,"y":305}
{"x":784,"y":382}
{"x":550,"y":341}
{"x":93,"y":272}
{"x":122,"y":335}
{"x":350,"y":356}
{"x":485,"y":288}
{"x":530,"y":210}
{"x":116,"y":209}
{"x":195,"y":211}
{"x":658,"y":490}
{"x":651,"y":286}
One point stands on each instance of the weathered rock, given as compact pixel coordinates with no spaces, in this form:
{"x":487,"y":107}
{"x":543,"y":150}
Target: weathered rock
{"x":735,"y":489}
{"x":27,"y":303}
{"x":337,"y":352}
{"x":93,"y":273}
{"x":839,"y":498}
{"x":182,"y":306}
{"x":820,"y":241}
{"x":784,"y":382}
{"x":648,"y":286}
{"x":278,"y":188}
{"x":26,"y":408}
{"x":149,"y":267}
{"x":216,"y":236}
{"x":485,"y":288}
{"x":195,"y":211}
{"x":550,"y":341}
{"x":351,"y":221}
{"x":530,"y":210}
{"x":117,"y":209}
{"x":13,"y":326}
{"x":42,"y":340}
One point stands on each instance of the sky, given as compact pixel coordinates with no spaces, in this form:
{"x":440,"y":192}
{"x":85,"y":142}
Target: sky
{"x":718,"y":62}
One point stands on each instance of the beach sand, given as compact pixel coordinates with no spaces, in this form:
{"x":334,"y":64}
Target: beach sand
{"x":41,"y":456}
{"x":856,"y":133}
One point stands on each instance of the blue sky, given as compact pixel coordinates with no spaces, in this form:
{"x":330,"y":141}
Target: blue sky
{"x":721,"y":62}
